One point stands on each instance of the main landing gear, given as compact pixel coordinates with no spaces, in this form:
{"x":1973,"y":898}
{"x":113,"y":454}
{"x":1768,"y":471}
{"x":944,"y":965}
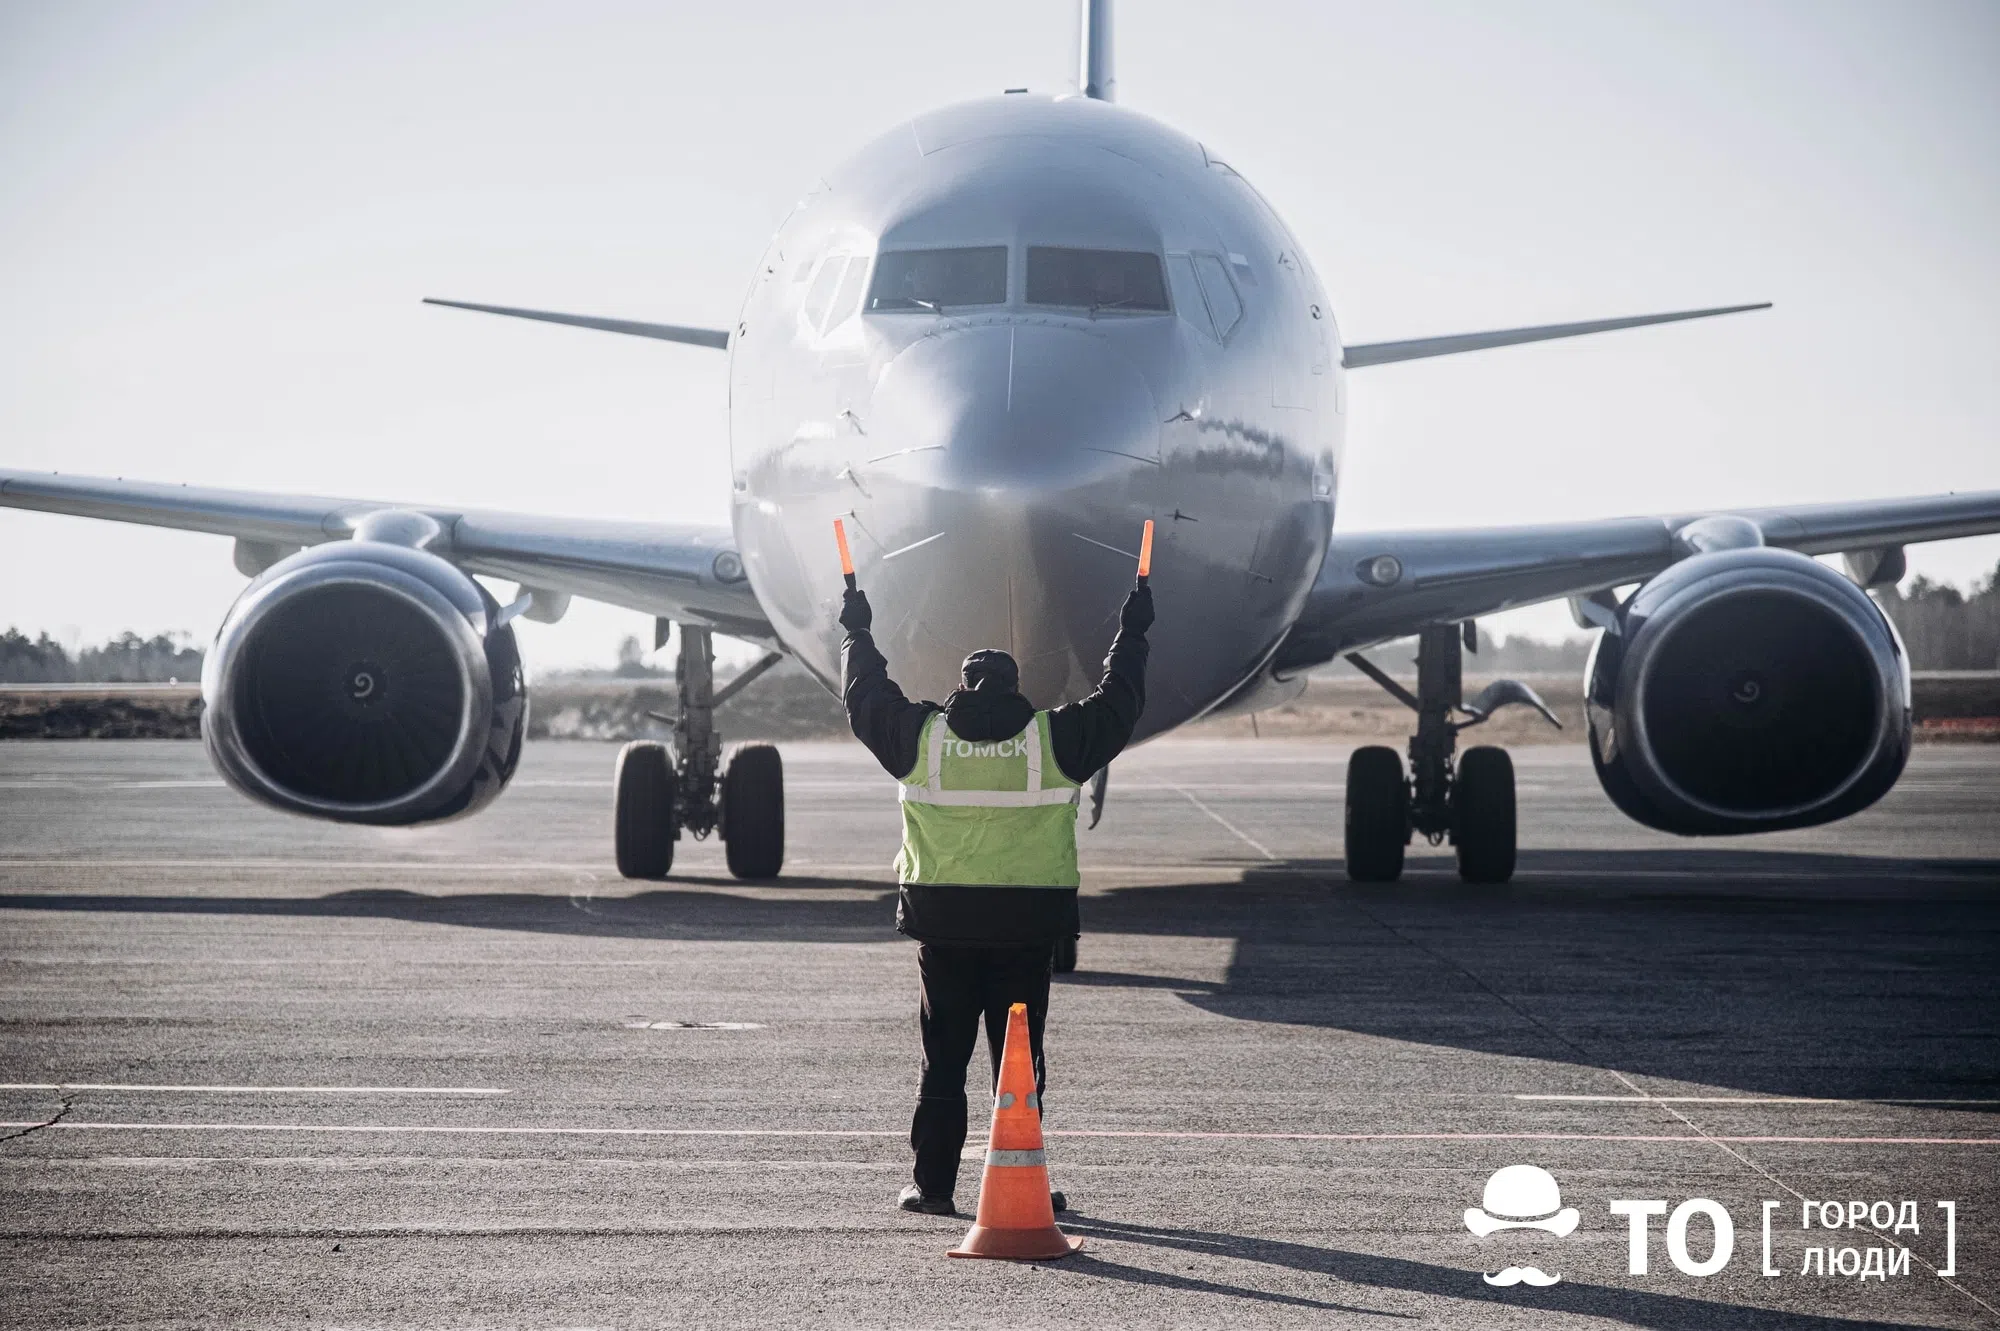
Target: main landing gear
{"x":662,"y":793}
{"x":1470,"y":802}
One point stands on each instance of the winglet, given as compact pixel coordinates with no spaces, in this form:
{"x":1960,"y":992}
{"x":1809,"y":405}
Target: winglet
{"x":1384,"y":353}
{"x":699,"y":337}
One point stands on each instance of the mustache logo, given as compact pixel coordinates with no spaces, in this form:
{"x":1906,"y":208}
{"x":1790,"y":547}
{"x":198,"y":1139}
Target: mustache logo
{"x":1522,"y":1275}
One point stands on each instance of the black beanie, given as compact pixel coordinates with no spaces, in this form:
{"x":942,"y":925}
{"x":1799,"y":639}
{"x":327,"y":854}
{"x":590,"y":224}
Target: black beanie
{"x":991,"y":669}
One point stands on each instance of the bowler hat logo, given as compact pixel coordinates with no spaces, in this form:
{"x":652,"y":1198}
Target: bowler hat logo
{"x":1521,"y":1197}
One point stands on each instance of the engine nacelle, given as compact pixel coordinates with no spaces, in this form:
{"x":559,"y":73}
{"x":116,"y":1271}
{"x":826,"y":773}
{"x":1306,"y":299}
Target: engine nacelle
{"x":1748,"y":690}
{"x":365,"y":682}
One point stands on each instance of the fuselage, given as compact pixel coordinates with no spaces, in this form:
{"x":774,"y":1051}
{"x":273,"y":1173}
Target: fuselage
{"x":995,"y":342}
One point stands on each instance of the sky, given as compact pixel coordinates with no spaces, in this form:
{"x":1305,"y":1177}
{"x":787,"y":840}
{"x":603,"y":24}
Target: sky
{"x":218,"y":219}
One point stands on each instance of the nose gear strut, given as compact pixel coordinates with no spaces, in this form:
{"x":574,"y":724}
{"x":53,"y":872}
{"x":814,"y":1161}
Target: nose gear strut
{"x":697,"y":748}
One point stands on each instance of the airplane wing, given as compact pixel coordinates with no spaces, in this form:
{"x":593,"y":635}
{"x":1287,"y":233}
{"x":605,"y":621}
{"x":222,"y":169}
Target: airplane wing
{"x":718,"y":338}
{"x":682,"y":572}
{"x":1433,"y":577}
{"x":1364,"y":354}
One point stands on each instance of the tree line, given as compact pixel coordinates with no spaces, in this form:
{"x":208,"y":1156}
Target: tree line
{"x":1943,"y":627}
{"x":126,"y":659}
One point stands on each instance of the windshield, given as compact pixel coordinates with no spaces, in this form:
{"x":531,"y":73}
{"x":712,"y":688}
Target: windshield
{"x":936,"y":279}
{"x":1097,"y":279}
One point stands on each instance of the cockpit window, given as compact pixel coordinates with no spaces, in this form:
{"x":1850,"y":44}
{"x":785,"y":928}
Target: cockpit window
{"x":1224,"y":305}
{"x":1096,"y":279}
{"x":848,"y":299}
{"x":935,"y":280}
{"x":820,"y":294}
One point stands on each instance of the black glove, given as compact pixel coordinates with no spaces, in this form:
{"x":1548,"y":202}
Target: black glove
{"x":1137,"y":616}
{"x":855,"y":616}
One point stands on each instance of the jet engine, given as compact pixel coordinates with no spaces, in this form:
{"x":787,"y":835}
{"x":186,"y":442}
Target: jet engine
{"x":365,"y":681}
{"x":1747,"y":690}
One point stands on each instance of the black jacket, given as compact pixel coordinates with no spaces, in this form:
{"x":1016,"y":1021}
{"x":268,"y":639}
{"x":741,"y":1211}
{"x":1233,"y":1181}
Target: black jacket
{"x":1085,"y":736}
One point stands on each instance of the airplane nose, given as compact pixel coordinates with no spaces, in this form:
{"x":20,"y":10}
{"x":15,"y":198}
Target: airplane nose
{"x":1020,"y":461}
{"x":1015,"y":407}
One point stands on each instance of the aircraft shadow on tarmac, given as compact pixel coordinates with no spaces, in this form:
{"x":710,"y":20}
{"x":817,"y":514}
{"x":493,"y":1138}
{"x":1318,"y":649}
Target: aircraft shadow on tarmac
{"x":663,"y":913}
{"x":1622,"y":1306}
{"x":1775,"y":973}
{"x":1771,"y":972}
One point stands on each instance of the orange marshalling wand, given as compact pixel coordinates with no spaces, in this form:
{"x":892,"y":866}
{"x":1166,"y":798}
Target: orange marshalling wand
{"x":1016,"y":1219}
{"x":846,"y":559}
{"x":1146,"y":552}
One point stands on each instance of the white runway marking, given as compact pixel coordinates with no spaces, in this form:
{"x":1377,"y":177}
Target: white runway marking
{"x":383,"y":1129}
{"x":1745,"y":1100}
{"x":293,"y":866}
{"x":875,"y":874}
{"x":1264,"y":790}
{"x":518,"y":866}
{"x":1212,"y":760}
{"x":866,"y":786}
{"x":437,"y":1130}
{"x":1238,"y":832}
{"x":250,"y":1090}
{"x":64,"y":783}
{"x":1612,"y":873}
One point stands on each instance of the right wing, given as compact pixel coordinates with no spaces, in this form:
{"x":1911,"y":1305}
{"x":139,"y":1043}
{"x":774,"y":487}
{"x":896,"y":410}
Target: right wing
{"x":683,"y":572}
{"x":1447,"y":576}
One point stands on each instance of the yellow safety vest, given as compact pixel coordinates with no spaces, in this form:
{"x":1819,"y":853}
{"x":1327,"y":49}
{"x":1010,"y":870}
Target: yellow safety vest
{"x":992,"y":812}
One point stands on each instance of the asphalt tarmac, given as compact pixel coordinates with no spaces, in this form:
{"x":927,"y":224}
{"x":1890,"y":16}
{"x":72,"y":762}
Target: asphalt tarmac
{"x":292,"y":1074}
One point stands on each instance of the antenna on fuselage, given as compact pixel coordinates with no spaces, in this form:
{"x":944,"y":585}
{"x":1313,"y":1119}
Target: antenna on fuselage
{"x":1094,"y":69}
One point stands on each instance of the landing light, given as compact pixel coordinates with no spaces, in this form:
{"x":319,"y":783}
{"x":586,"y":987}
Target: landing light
{"x":1380,"y":571}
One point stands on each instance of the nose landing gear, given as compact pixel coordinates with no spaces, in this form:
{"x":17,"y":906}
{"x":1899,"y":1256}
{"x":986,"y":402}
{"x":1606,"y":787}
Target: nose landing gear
{"x":1470,"y":802}
{"x":659,"y":794}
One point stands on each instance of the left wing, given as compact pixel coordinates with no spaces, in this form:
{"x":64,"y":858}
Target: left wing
{"x":1363,"y":354}
{"x":682,"y":572}
{"x":1445,"y":576}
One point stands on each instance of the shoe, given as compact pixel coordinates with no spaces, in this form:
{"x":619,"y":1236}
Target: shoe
{"x":1058,"y":1202}
{"x":912,"y":1199}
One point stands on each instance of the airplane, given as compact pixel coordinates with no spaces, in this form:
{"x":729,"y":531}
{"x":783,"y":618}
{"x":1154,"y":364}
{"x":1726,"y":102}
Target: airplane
{"x":993,"y":343}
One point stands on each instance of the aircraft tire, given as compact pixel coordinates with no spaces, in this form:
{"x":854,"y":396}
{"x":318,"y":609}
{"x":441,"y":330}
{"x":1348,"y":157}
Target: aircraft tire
{"x":1483,"y":815}
{"x":753,"y":812}
{"x":1378,"y":815}
{"x":643,"y":810}
{"x":1064,"y":961}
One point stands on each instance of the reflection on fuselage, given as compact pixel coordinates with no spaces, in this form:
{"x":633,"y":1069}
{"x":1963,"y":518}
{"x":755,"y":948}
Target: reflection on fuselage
{"x":1075,"y":320}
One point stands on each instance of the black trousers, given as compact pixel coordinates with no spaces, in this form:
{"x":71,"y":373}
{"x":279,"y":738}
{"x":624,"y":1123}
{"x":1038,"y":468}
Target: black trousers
{"x":960,"y":985}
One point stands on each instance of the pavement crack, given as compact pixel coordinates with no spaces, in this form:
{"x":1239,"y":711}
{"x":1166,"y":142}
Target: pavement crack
{"x":68,"y":1102}
{"x":1479,"y":981}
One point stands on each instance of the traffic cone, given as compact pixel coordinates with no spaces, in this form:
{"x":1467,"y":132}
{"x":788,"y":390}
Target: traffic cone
{"x":1015,"y":1217}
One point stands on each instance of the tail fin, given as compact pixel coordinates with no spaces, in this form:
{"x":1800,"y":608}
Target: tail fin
{"x":1094,"y":73}
{"x":1383,"y":353}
